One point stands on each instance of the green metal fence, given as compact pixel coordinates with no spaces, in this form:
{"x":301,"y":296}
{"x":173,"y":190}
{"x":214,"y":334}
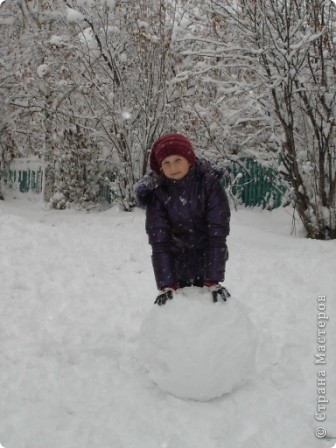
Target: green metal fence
{"x":252,"y":183}
{"x":255,"y":184}
{"x":27,"y":180}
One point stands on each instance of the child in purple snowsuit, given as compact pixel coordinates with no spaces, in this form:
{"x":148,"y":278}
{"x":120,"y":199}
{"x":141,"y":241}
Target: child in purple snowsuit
{"x":187,"y":219}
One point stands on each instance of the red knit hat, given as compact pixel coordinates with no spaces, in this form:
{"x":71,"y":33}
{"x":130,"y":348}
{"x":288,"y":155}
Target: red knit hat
{"x":170,"y":145}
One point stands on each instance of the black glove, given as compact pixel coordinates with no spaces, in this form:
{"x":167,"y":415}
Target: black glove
{"x":219,"y":291}
{"x":162,"y":298}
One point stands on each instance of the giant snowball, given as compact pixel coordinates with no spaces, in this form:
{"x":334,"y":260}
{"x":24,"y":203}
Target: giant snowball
{"x":195,"y":349}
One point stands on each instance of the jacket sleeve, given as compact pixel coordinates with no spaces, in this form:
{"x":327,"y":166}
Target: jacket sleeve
{"x":144,"y":188}
{"x":159,"y":233}
{"x":218,"y":225}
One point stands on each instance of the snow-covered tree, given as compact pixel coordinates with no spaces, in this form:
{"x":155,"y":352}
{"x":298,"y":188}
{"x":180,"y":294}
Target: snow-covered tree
{"x":7,"y":152}
{"x":9,"y":66}
{"x":296,"y":41}
{"x":223,"y":97}
{"x":126,"y":65}
{"x":280,"y":61}
{"x":94,"y":72}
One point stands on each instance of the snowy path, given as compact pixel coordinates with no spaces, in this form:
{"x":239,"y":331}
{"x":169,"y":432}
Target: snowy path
{"x":75,"y":289}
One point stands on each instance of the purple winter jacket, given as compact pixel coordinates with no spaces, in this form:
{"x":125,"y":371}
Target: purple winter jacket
{"x":187,"y":222}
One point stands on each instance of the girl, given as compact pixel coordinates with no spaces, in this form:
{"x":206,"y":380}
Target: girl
{"x":187,"y":219}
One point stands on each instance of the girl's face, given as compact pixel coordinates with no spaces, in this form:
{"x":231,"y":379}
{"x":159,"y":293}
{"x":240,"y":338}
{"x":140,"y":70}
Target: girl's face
{"x":175,"y":167}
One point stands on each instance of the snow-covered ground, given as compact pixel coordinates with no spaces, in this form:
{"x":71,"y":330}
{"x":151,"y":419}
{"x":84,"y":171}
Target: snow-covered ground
{"x":75,"y":289}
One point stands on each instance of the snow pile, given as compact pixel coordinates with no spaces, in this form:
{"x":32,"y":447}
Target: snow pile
{"x":196,"y":349}
{"x":42,"y":70}
{"x":74,"y":16}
